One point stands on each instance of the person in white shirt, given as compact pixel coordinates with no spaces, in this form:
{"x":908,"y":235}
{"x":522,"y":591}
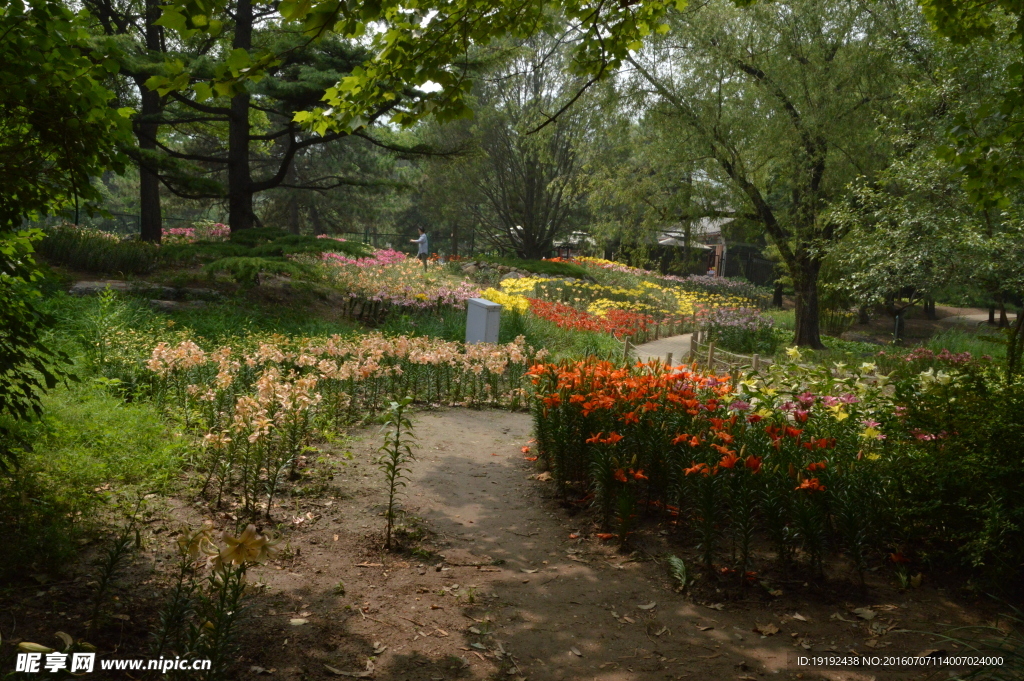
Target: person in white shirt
{"x":423,"y":249}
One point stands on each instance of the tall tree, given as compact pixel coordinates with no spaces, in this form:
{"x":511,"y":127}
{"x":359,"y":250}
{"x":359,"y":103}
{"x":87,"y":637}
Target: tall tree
{"x":778,"y":102}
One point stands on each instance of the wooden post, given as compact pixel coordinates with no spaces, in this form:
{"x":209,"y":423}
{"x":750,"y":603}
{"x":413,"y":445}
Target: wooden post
{"x":668,"y":359}
{"x":711,"y":355}
{"x":625,"y":352}
{"x":757,"y":362}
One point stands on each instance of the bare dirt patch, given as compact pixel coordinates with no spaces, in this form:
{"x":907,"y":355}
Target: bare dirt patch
{"x":497,"y":578}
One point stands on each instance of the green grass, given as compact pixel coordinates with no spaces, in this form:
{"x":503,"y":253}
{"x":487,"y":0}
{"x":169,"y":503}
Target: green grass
{"x":88,"y":442}
{"x":542,"y":267}
{"x":978,"y":343}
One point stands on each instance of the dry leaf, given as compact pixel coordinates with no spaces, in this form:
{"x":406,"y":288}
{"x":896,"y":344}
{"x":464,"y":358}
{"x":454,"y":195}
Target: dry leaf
{"x":576,"y":652}
{"x":529,"y":572}
{"x":766,"y":629}
{"x":916,"y":580}
{"x":629,"y":619}
{"x":837,"y":616}
{"x":298,"y":621}
{"x":441,"y":632}
{"x":716,"y":606}
{"x":378,"y":648}
{"x":648,"y":606}
{"x":798,"y":616}
{"x":864,"y":613}
{"x":542,"y":477}
{"x":474,"y":630}
{"x":356,"y":675}
{"x":704,"y":628}
{"x":660,"y":632}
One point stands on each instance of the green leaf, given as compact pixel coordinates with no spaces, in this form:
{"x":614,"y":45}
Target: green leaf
{"x":203,"y":91}
{"x":238,"y":59}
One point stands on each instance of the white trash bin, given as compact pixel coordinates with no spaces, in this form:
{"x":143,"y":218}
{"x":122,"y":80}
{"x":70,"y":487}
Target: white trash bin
{"x":482,"y":320}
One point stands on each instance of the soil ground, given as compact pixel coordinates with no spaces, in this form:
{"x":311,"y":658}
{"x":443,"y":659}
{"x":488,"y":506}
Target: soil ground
{"x":496,"y":578}
{"x":917,"y":328}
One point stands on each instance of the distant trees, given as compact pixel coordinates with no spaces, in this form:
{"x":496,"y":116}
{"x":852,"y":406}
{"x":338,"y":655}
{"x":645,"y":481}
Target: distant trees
{"x":522,"y":177}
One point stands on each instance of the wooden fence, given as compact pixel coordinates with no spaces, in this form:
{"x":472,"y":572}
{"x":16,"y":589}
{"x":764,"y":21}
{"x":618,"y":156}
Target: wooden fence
{"x":706,"y":354}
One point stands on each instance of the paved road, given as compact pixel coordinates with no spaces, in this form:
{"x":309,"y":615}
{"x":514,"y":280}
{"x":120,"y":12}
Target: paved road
{"x":679,"y":346}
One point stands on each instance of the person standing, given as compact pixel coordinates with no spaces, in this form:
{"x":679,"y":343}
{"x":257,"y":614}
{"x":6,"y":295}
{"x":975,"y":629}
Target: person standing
{"x":423,"y":248}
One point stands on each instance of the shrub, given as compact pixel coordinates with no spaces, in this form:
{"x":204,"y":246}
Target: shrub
{"x":91,"y":250}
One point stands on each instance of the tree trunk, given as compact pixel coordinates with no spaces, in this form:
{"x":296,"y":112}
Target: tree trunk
{"x":240,"y":203}
{"x":777,"y":295}
{"x":929,"y":309}
{"x":146,"y":131}
{"x":862,"y":315}
{"x":992,"y":314}
{"x":150,"y":219}
{"x":805,"y":283}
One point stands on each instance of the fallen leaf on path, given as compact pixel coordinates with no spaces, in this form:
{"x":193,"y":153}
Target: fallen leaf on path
{"x":704,"y":628}
{"x":576,"y":652}
{"x":378,"y":648}
{"x":474,"y":630}
{"x":356,"y":675}
{"x":441,"y":632}
{"x":798,"y":616}
{"x":298,"y":621}
{"x":528,"y":571}
{"x":647,"y":606}
{"x":369,"y":565}
{"x":864,"y":613}
{"x":530,"y":458}
{"x":629,"y":620}
{"x":661,"y":631}
{"x":573,"y":535}
{"x":716,"y":606}
{"x":604,"y":536}
{"x":542,"y":477}
{"x":478,"y":646}
{"x":837,"y":616}
{"x":766,"y":629}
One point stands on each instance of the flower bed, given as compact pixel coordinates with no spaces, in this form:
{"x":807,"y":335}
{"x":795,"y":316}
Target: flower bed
{"x":619,"y":323}
{"x":739,"y":329}
{"x":388,"y":279}
{"x":723,"y":461}
{"x":201,"y":231}
{"x":256,"y":412}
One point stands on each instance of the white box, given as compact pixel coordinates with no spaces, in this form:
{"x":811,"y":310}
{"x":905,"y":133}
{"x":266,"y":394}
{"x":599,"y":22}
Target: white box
{"x":482,"y":320}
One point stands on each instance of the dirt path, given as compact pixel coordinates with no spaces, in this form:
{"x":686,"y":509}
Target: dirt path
{"x":679,"y":346}
{"x":505,"y":574}
{"x":497,"y":578}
